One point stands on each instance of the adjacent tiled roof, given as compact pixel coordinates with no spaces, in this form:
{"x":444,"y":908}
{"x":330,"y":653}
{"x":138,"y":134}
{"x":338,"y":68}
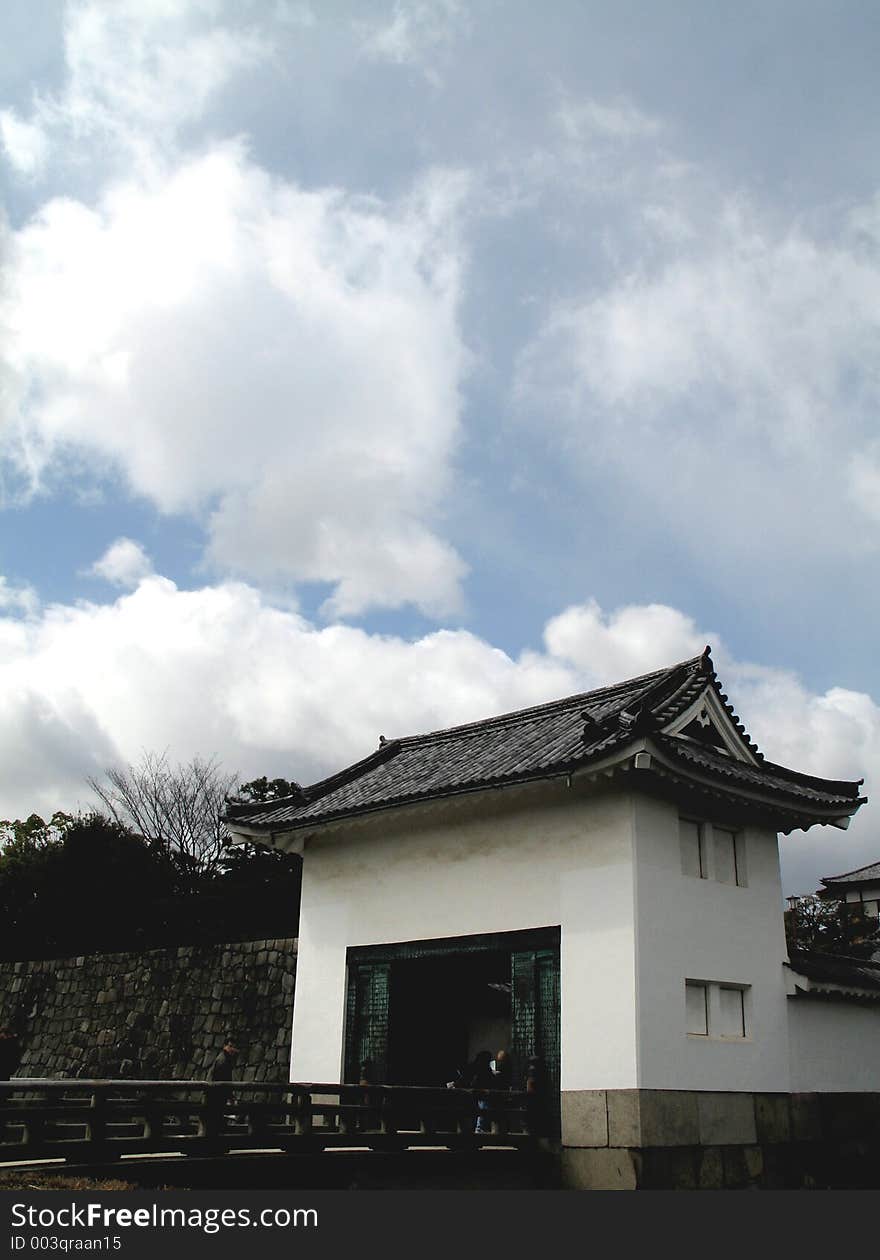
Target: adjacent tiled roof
{"x":853,"y":973}
{"x":799,"y":788}
{"x":864,"y":875}
{"x":540,"y":742}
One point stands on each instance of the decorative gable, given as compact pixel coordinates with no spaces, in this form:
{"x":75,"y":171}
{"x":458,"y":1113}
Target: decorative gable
{"x":706,"y":721}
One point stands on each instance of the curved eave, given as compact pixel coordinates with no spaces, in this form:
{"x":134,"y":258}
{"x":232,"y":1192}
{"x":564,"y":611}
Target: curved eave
{"x":787,"y":813}
{"x":645,"y":765}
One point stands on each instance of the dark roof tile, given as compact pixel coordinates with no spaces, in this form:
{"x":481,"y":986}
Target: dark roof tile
{"x":835,"y":969}
{"x":863,"y":875}
{"x":538,"y":742}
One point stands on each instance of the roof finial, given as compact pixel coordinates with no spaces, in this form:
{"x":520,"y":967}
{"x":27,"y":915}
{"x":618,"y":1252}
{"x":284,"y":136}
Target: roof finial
{"x":382,"y":741}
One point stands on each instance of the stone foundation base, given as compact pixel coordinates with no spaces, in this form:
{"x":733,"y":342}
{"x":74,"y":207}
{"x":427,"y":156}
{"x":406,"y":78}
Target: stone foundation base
{"x":634,"y":1139}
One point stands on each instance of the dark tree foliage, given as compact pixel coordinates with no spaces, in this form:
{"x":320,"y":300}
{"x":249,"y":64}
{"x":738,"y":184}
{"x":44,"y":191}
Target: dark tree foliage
{"x":263,"y":877}
{"x":87,"y":884}
{"x":826,"y":926}
{"x":73,"y":885}
{"x":264,"y":789}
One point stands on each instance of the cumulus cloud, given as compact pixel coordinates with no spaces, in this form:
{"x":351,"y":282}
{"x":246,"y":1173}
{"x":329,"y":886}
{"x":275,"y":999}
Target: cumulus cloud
{"x":284,"y":363}
{"x":137,"y":72}
{"x":629,"y":641}
{"x":221,"y":671}
{"x":124,"y":563}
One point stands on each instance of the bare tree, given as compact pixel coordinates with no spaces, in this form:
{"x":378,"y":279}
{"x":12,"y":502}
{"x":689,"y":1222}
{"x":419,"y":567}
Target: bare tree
{"x":176,"y":808}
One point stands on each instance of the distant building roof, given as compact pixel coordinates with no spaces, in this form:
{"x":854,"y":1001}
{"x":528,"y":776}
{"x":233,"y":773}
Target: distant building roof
{"x":834,"y":974}
{"x":594,"y":728}
{"x":863,"y":875}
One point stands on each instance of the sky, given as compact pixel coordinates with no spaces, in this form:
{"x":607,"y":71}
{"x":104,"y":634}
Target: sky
{"x":371,"y":367}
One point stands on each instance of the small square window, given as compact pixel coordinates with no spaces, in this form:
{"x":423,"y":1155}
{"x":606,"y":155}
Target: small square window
{"x":716,"y":1011}
{"x":713,"y":853}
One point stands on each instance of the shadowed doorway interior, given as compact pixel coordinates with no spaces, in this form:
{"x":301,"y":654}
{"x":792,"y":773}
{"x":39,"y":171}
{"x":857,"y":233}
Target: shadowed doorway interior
{"x":445,"y":1011}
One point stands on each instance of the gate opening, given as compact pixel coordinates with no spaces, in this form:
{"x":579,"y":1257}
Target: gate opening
{"x":443,"y":1012}
{"x":418,"y":1010}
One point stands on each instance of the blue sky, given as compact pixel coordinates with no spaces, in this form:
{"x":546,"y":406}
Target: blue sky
{"x":369,"y":367}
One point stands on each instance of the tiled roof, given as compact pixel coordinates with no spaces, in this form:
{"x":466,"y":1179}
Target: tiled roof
{"x":535,"y":743}
{"x":779,"y":780}
{"x":858,"y":973}
{"x":864,"y":875}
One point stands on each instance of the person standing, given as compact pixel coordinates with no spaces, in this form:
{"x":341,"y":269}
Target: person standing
{"x":221,"y":1069}
{"x":481,"y":1078}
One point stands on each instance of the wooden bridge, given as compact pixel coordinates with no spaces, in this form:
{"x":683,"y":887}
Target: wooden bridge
{"x":95,"y":1122}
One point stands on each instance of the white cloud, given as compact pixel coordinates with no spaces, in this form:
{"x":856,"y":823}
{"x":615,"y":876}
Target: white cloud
{"x":220,"y":671}
{"x":124,"y":563}
{"x":630,"y":641}
{"x":137,"y":72}
{"x":22,"y":598}
{"x":285,"y":363}
{"x":24,"y":143}
{"x":414,"y":32}
{"x":742,"y":354}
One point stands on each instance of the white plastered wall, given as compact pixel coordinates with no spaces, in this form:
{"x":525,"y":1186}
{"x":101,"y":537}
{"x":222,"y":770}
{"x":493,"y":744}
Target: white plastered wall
{"x":835,"y":1045}
{"x":700,"y":929}
{"x":498,"y":861}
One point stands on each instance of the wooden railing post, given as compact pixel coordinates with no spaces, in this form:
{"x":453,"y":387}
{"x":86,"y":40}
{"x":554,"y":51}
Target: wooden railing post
{"x":302,"y":1120}
{"x":153,"y":1116}
{"x":387,"y":1114}
{"x":97,"y":1122}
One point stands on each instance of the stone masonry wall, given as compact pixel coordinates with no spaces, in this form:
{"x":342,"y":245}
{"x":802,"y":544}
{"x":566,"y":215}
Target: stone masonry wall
{"x":156,"y":1014}
{"x":632,"y":1139}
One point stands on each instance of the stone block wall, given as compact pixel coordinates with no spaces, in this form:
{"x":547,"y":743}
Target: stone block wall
{"x":630,"y":1139}
{"x":156,"y":1014}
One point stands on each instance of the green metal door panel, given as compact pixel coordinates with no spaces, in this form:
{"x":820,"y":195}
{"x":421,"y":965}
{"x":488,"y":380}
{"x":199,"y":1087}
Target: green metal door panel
{"x":535,"y":1020}
{"x":522,"y":1012}
{"x":367,"y":1019}
{"x":547,"y":1037}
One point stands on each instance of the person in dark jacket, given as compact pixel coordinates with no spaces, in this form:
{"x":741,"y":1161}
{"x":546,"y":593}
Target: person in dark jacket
{"x":502,"y":1070}
{"x":221,"y":1069}
{"x":10,"y":1054}
{"x":480,"y":1077}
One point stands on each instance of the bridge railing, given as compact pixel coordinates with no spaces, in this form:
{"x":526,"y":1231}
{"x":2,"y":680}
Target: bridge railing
{"x":93,"y":1121}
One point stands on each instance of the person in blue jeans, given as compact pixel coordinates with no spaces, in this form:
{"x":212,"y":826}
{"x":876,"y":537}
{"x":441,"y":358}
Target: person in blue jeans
{"x":480,"y":1077}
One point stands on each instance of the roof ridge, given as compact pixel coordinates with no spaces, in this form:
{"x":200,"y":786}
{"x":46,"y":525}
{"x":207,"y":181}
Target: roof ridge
{"x":563,"y":702}
{"x":844,"y":874}
{"x":321,"y":787}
